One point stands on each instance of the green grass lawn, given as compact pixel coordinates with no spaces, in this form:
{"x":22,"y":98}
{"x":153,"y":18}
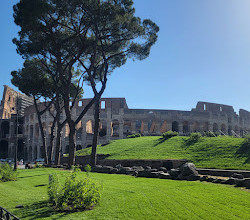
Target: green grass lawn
{"x":214,"y":152}
{"x":127,"y":197}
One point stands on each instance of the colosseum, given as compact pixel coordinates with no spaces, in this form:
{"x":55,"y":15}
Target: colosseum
{"x":118,"y":121}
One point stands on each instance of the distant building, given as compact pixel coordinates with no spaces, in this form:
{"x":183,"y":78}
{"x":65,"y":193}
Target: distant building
{"x":116,"y":122}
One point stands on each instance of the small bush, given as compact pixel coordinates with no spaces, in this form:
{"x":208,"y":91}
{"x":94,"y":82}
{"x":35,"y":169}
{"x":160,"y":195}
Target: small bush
{"x":169,"y":134}
{"x":194,"y":137}
{"x":209,"y":134}
{"x":134,"y":135}
{"x":75,"y":194}
{"x":7,"y":173}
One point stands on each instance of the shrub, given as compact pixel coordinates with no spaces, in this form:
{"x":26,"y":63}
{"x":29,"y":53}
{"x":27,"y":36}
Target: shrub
{"x":7,"y":173}
{"x":209,"y":134}
{"x":194,"y":137}
{"x":134,"y":135}
{"x":169,"y":134}
{"x":75,"y":194}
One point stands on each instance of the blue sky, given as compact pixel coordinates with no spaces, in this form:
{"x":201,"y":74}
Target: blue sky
{"x":202,"y":54}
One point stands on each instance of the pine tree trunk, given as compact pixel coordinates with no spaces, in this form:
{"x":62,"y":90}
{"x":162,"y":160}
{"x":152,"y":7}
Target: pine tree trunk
{"x":96,"y":132}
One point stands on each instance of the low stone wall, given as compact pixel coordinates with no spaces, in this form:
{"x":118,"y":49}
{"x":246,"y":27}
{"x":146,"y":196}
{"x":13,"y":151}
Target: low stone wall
{"x":224,"y":173}
{"x":169,"y":164}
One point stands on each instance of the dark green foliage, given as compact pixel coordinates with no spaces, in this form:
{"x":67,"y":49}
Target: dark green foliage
{"x":87,"y":168}
{"x":134,"y":135}
{"x":194,"y":137}
{"x":7,"y":173}
{"x":209,"y":134}
{"x":76,"y":194}
{"x":169,"y":134}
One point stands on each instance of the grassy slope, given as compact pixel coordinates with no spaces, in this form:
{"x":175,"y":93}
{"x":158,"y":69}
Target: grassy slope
{"x":214,"y":152}
{"x":127,"y":197}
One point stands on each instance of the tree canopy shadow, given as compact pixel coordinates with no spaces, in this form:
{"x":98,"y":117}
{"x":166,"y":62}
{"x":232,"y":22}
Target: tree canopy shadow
{"x":159,"y":141}
{"x":244,"y":151}
{"x":40,"y":210}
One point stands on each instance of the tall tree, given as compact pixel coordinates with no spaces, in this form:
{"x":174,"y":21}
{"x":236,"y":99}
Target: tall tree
{"x":117,"y":36}
{"x":33,"y":81}
{"x":95,"y":36}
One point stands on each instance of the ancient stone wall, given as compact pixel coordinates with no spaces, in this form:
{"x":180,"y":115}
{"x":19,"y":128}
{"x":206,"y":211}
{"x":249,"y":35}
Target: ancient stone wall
{"x":117,"y":121}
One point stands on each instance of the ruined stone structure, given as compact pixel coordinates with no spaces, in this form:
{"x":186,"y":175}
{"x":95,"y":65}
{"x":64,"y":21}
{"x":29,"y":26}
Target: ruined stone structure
{"x":11,"y":122}
{"x":118,"y":121}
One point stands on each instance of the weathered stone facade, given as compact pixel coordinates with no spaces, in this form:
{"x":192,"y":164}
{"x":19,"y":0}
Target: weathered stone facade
{"x":116,"y":122}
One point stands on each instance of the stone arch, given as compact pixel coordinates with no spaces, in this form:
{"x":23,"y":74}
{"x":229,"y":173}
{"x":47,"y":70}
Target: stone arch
{"x":35,"y":153}
{"x":4,"y":147}
{"x":89,"y":127}
{"x":236,"y":129}
{"x":175,"y":126}
{"x":67,"y":130}
{"x":49,"y":127}
{"x":103,"y":128}
{"x":215,"y":127}
{"x":78,"y":147}
{"x":44,"y":128}
{"x":115,"y":128}
{"x":127,"y":127}
{"x":223,"y":129}
{"x":138,"y":126}
{"x":164,"y":127}
{"x":186,"y":127}
{"x":205,"y":126}
{"x":20,"y":150}
{"x":196,"y":126}
{"x":36,"y":130}
{"x":79,"y":130}
{"x":31,"y":131}
{"x":229,"y":130}
{"x":30,"y":153}
{"x":152,"y":129}
{"x":5,"y":127}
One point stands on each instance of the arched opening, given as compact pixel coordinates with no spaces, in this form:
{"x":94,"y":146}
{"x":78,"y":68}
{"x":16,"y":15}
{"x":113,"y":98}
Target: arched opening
{"x":35,"y":153}
{"x":115,"y":128}
{"x":4,"y":149}
{"x":79,"y":131}
{"x":224,"y":129}
{"x":186,"y":127}
{"x":31,"y":131}
{"x":205,"y":126}
{"x":175,"y":126}
{"x":41,"y":152}
{"x":103,"y":129}
{"x":164,"y":127}
{"x":67,"y":130}
{"x":78,"y":147}
{"x":138,"y":126}
{"x":36,"y":130}
{"x":229,"y":131}
{"x":66,"y":151}
{"x":89,"y":127}
{"x":127,"y":127}
{"x":236,"y":129}
{"x":5,"y":127}
{"x":152,"y":128}
{"x":20,"y":150}
{"x":30,"y":153}
{"x":215,"y":127}
{"x":196,"y":127}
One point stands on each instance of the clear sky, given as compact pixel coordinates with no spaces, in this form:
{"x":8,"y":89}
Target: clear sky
{"x":202,"y":54}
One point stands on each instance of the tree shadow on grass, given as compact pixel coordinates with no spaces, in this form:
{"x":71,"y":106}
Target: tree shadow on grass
{"x":21,"y":177}
{"x":40,"y":210}
{"x":244,"y":151}
{"x":159,"y":141}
